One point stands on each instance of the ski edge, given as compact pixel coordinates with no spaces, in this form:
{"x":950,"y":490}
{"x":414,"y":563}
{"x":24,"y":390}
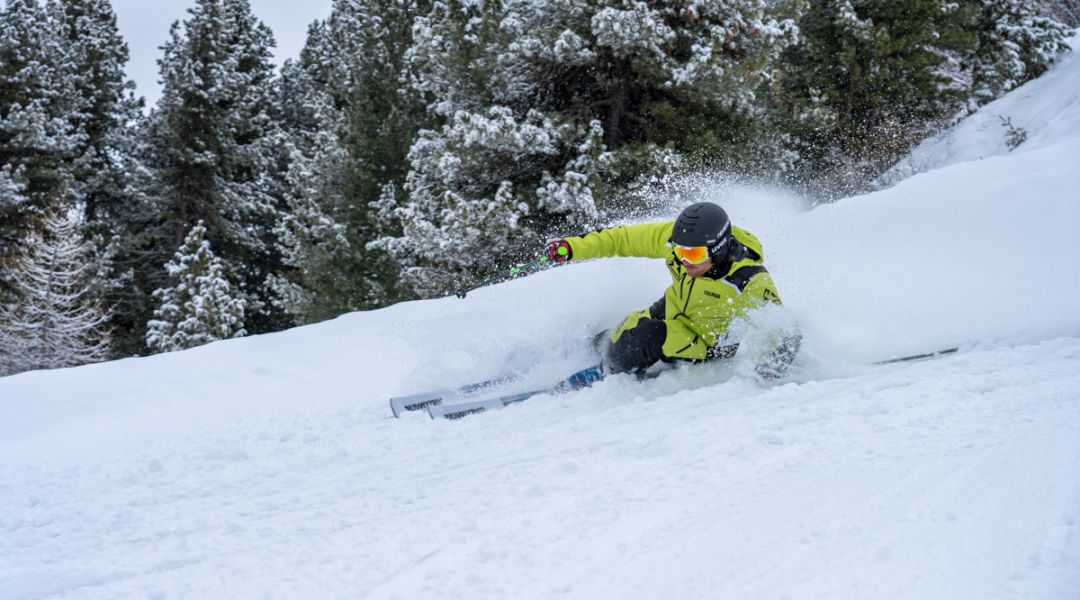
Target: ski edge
{"x":418,"y":402}
{"x":460,"y":410}
{"x":576,"y":381}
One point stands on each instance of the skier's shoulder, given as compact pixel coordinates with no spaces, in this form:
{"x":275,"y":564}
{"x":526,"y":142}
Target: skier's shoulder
{"x":750,"y":242}
{"x":748,"y":273}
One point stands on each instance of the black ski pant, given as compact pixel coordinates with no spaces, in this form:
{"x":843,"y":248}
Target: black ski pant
{"x":639,"y":348}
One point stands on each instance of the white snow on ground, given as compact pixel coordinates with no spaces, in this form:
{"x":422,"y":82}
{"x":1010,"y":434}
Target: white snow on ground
{"x":269,"y":467}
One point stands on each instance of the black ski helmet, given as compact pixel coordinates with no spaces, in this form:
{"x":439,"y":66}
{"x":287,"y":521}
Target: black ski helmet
{"x":704,"y":224}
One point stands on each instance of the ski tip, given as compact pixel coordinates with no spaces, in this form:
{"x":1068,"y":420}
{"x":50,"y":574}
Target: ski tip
{"x":915,"y":357}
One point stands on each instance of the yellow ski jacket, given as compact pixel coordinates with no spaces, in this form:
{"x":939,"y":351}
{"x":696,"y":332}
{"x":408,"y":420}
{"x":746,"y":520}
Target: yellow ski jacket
{"x":698,"y":311}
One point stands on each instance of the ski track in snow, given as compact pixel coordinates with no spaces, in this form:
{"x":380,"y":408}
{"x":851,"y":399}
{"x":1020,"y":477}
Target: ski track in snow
{"x":906,"y":481}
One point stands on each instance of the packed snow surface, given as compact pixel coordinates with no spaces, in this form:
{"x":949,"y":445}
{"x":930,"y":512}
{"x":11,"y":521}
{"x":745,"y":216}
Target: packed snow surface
{"x":269,"y":467}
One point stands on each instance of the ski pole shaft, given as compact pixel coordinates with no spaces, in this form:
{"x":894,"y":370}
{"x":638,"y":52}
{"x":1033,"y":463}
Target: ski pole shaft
{"x":511,"y":273}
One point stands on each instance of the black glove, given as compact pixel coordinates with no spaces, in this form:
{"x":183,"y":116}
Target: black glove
{"x":779,"y":360}
{"x":559,"y":251}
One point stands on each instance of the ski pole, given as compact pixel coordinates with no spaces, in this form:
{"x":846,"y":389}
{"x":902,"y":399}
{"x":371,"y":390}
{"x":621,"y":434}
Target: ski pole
{"x":513,"y":272}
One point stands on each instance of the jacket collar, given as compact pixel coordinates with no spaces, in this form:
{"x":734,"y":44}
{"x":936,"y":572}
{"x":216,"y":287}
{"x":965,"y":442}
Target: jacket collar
{"x":722,"y":269}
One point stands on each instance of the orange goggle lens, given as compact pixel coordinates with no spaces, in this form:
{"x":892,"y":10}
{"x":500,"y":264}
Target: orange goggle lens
{"x":694,"y":255}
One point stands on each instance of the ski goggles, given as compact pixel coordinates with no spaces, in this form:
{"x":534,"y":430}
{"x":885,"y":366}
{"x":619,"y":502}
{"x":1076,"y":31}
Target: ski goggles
{"x":694,"y":255}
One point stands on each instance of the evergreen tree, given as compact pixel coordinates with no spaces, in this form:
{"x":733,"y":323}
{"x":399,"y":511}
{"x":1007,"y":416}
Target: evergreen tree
{"x":352,"y":126}
{"x":201,"y":307}
{"x":367,"y":42}
{"x":312,"y":244}
{"x":219,"y":151}
{"x":103,"y":108}
{"x":56,"y":319}
{"x":549,"y":112}
{"x":1066,"y":12}
{"x":36,"y":142}
{"x":1013,"y":44}
{"x":867,"y":80}
{"x":107,"y":175}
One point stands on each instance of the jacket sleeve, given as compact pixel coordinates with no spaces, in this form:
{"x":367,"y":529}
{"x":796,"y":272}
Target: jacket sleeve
{"x":759,"y":291}
{"x":647,"y":240}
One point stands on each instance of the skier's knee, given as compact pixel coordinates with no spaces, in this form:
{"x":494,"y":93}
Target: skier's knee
{"x":638,"y":348}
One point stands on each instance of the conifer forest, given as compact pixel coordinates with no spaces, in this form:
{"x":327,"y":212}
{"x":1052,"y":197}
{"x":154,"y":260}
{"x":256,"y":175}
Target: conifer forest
{"x":415,"y":146}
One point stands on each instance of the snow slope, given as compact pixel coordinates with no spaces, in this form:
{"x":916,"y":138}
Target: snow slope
{"x":268,"y":467}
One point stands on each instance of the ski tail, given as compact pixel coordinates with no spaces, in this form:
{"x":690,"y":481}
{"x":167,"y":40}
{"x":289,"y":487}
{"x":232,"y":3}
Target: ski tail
{"x":461,"y":410}
{"x":415,"y":402}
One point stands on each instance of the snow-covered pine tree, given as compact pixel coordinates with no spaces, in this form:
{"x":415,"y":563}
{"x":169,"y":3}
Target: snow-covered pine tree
{"x":108,"y":178}
{"x":57,"y":318}
{"x":218,"y":148}
{"x":551,"y":111}
{"x":866,"y":81}
{"x":103,"y":109}
{"x":312,"y":243}
{"x":201,"y":306}
{"x":1013,"y":44}
{"x":364,"y":46}
{"x":347,"y":84}
{"x":1066,"y":12}
{"x":36,"y":143}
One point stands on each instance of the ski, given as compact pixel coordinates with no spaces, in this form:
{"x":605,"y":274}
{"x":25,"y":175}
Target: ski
{"x":414,"y":402}
{"x":460,"y":410}
{"x":440,"y":404}
{"x":915,"y":357}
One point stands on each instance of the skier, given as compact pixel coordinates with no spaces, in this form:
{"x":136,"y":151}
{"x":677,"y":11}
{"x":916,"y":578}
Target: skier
{"x":717,"y":277}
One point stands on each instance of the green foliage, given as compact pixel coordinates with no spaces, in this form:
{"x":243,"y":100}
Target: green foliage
{"x":865,"y":82}
{"x":352,"y":143}
{"x":36,"y":142}
{"x":551,"y":114}
{"x":200,"y":306}
{"x":218,"y":149}
{"x":1011,"y":43}
{"x":104,"y":169}
{"x":871,"y":78}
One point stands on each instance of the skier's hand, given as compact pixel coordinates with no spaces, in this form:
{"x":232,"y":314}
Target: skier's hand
{"x":559,"y":251}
